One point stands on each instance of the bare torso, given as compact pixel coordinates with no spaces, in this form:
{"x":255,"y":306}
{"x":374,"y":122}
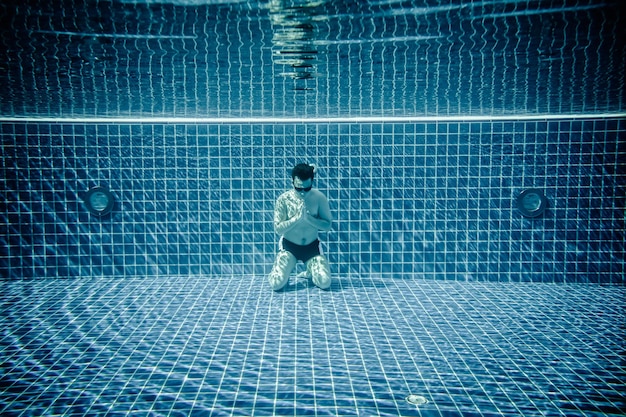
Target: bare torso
{"x":315,"y":204}
{"x":303,"y":233}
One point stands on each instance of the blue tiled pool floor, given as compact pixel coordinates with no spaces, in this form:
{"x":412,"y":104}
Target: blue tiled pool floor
{"x":206,"y":345}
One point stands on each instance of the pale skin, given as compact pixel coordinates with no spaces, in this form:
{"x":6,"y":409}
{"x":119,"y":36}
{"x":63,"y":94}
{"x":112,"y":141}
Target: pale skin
{"x":302,"y":215}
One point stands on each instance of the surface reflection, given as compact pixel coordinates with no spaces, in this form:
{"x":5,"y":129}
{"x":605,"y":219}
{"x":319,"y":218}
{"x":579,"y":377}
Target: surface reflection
{"x":295,"y":27}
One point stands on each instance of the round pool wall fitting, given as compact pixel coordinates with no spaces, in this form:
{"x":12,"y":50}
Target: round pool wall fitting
{"x":416,"y":399}
{"x":99,"y":201}
{"x":532,"y":202}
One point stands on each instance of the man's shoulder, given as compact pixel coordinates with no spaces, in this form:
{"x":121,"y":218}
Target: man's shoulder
{"x":318,"y":194}
{"x":284,"y":196}
{"x":315,"y":193}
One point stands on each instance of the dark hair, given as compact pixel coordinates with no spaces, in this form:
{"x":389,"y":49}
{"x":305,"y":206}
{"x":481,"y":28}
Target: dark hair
{"x":303,"y":171}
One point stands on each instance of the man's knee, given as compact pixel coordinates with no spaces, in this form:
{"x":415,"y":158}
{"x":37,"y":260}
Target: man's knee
{"x":319,"y":270}
{"x":283,"y":265}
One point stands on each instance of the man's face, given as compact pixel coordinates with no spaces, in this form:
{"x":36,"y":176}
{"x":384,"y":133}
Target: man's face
{"x":302,"y":186}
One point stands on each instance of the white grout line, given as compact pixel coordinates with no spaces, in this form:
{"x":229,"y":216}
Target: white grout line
{"x":288,"y":120}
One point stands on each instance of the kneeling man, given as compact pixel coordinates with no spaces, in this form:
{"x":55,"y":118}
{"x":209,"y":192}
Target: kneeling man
{"x":298,"y":216}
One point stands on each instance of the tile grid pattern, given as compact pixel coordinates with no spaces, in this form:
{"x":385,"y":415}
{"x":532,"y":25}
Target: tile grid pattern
{"x":229,"y":345}
{"x":435,"y":200}
{"x":251,"y":59}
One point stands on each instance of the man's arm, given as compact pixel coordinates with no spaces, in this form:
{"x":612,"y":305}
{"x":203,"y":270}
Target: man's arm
{"x":281,"y":223}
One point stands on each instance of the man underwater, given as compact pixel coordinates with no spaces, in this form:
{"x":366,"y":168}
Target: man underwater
{"x":299,"y":215}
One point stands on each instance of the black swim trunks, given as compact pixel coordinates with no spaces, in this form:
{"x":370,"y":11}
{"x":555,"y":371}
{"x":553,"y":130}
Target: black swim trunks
{"x":301,"y":252}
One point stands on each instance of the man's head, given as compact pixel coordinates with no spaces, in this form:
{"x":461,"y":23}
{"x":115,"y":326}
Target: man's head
{"x":302,"y":176}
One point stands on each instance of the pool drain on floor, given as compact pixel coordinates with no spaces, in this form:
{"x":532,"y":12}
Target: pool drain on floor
{"x":416,"y":399}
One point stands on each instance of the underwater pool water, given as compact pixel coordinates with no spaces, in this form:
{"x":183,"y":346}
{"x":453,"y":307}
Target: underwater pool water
{"x":426,"y":123}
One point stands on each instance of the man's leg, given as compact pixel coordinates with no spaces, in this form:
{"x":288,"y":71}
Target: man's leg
{"x":283,"y":265}
{"x":317,"y":267}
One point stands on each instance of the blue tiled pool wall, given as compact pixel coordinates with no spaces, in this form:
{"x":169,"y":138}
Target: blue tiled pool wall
{"x":416,"y":200}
